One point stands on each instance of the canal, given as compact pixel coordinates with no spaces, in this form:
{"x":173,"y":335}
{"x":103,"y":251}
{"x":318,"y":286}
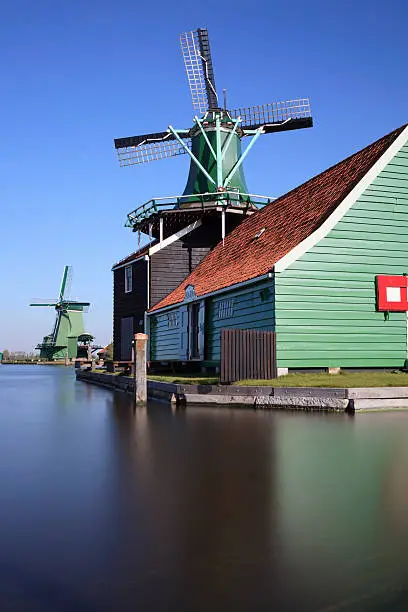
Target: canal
{"x":108,"y":508}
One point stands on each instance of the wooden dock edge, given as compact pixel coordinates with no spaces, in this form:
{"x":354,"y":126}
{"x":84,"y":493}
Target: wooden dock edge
{"x":289,"y":398}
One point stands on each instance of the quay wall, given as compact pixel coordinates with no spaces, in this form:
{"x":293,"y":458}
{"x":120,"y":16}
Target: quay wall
{"x":258,"y":397}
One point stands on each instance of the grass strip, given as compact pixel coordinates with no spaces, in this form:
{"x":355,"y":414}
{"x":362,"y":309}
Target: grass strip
{"x":344,"y":379}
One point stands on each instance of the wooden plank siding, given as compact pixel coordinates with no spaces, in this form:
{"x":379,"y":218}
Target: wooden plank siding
{"x":170,"y":266}
{"x":165,"y":342}
{"x":253,"y":308}
{"x":326,"y":300}
{"x":247,"y":354}
{"x":132,"y":304}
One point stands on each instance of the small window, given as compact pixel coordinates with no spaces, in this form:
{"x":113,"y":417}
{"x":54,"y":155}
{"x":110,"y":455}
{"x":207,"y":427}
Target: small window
{"x":128,"y":279}
{"x":224,"y":309}
{"x":265,"y":294}
{"x":172,"y":320}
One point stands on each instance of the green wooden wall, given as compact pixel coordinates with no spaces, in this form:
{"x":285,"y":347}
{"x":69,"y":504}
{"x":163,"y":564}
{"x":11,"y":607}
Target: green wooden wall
{"x":165,"y":342}
{"x":325,"y":302}
{"x":253,"y":308}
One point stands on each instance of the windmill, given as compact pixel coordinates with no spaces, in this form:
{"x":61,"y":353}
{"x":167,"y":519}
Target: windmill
{"x":213,"y":143}
{"x":68,"y":338}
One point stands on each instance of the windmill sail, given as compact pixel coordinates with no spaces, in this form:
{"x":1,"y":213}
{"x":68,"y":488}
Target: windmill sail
{"x":275,"y":116}
{"x":55,"y":328}
{"x":44,"y":302}
{"x":148,"y":147}
{"x":204,"y":42}
{"x":195,"y":47}
{"x":65,"y":283}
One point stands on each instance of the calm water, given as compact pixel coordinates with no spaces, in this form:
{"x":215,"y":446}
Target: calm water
{"x":103,"y":507}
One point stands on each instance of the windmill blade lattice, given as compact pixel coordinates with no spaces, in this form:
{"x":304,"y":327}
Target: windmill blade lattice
{"x":43,"y":302}
{"x":73,"y":306}
{"x":195,"y":47}
{"x":148,"y":147}
{"x":274,"y":115}
{"x":66,"y":283}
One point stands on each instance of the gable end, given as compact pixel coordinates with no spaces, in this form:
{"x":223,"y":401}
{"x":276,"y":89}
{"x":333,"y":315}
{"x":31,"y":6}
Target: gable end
{"x":314,"y":238}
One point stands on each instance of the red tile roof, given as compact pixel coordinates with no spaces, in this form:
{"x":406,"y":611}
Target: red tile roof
{"x":287,"y":221}
{"x":135,"y":255}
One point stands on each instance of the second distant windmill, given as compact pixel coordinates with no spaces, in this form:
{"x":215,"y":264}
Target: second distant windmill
{"x":68,"y":339}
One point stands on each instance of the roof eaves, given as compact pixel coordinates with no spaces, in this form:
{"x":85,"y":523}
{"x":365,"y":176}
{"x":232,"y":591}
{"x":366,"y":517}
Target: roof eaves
{"x":133,"y":256}
{"x":250,"y":281}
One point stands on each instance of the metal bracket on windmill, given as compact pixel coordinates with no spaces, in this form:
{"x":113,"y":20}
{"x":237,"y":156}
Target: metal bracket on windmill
{"x":189,"y":152}
{"x":198,"y":121}
{"x":255,"y":135}
{"x":230,"y":137}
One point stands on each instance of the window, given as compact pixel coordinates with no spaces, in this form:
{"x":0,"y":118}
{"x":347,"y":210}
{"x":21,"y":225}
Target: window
{"x":224,"y":309}
{"x":172,"y":320}
{"x":128,"y":279}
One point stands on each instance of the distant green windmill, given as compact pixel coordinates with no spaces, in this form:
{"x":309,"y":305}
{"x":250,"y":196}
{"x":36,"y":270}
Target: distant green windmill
{"x":68,"y":338}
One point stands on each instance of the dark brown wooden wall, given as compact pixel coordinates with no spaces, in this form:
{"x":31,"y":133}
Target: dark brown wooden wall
{"x":132,"y":304}
{"x":170,"y":266}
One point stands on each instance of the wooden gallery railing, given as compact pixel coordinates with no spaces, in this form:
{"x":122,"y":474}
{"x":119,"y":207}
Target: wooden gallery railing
{"x":247,"y":353}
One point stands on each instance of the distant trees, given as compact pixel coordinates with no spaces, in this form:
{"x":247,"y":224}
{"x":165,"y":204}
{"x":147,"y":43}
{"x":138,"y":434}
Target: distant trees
{"x":19,"y":356}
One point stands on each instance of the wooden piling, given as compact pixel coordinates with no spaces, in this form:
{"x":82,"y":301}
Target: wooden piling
{"x":140,"y":372}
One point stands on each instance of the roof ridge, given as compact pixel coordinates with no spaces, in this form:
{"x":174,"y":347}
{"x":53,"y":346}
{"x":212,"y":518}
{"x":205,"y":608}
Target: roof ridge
{"x":395,"y":133}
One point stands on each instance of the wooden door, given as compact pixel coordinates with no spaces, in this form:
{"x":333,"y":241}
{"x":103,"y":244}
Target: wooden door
{"x":126,"y":337}
{"x":193,"y":329}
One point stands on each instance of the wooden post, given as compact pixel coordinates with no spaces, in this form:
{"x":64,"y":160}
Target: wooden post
{"x":140,"y":347}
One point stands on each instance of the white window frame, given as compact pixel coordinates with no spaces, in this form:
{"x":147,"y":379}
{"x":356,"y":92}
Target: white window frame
{"x":128,"y":280}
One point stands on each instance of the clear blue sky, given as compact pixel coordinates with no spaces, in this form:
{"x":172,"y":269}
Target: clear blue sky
{"x":76,"y":74}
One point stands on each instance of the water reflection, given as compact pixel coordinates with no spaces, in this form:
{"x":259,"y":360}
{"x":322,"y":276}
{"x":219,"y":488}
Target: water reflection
{"x":205,"y":487}
{"x":341,"y":541}
{"x":105,"y":506}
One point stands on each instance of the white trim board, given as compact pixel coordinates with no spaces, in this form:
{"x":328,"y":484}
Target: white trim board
{"x":157,"y":246}
{"x":344,"y":206}
{"x":186,"y":230}
{"x":129,"y":263}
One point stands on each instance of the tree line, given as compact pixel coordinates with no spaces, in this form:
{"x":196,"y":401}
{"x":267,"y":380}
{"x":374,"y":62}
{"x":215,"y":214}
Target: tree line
{"x":19,"y":356}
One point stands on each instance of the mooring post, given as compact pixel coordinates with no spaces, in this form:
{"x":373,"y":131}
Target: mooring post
{"x":140,"y":348}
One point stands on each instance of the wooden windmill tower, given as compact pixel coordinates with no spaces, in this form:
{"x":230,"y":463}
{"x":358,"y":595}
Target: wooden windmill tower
{"x":68,"y":338}
{"x":216,"y":178}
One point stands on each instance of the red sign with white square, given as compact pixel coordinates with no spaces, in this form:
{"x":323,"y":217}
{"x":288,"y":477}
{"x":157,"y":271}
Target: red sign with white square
{"x":392,"y":293}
